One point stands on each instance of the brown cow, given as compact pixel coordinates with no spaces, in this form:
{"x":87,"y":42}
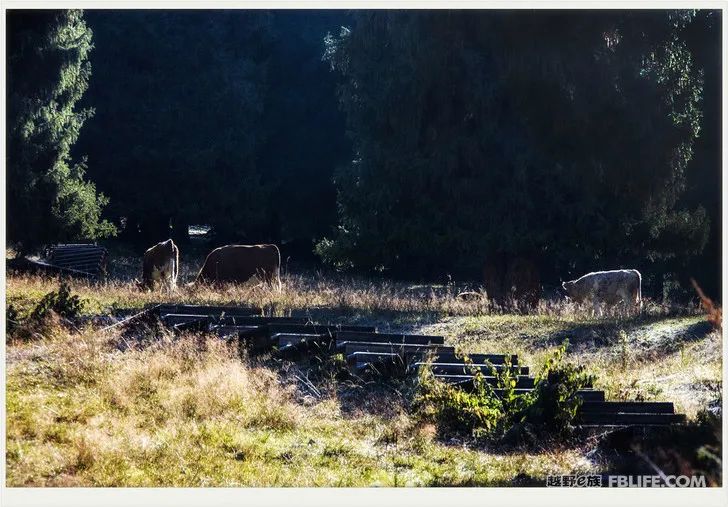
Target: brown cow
{"x":239,"y":263}
{"x":523,"y":283}
{"x":161,"y":264}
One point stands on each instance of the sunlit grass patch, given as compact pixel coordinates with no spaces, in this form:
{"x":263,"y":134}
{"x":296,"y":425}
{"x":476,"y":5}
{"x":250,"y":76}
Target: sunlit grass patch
{"x":189,"y":412}
{"x":87,"y":409}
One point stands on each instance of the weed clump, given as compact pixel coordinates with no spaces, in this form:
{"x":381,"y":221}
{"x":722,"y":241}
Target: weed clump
{"x":61,"y":302}
{"x":52,"y":311}
{"x":506,"y":416}
{"x":12,"y":319}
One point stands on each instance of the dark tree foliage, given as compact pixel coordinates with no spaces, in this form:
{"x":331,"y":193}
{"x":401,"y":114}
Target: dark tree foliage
{"x":561,"y":136}
{"x":304,"y":129}
{"x":703,"y":188}
{"x":227,"y":118}
{"x":179,"y":107}
{"x":49,"y":198}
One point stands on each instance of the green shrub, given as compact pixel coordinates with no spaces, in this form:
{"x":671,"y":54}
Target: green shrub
{"x":550,"y":409}
{"x":12,"y":318}
{"x":554,"y":403}
{"x":456,"y":410}
{"x":60,"y":302}
{"x":332,"y":254}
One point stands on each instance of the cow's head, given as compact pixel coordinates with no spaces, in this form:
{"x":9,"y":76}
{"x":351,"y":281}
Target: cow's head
{"x":573,"y":291}
{"x":568,"y":287}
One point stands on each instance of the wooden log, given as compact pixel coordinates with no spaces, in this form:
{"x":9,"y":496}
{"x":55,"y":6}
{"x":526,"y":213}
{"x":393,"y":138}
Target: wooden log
{"x":257,"y":320}
{"x":368,"y":357}
{"x":61,"y":246}
{"x":238,"y":331}
{"x":522,"y":382}
{"x":628,"y":407}
{"x":401,"y":348}
{"x":349,"y":336}
{"x":584,"y":394}
{"x":207,"y":310}
{"x":172,"y":319}
{"x":192,"y":326}
{"x":285,"y":339}
{"x":228,"y":320}
{"x":380,"y":367}
{"x":450,"y":357}
{"x":299,"y":344}
{"x":307,"y":327}
{"x":628,"y":419}
{"x":463,"y":369}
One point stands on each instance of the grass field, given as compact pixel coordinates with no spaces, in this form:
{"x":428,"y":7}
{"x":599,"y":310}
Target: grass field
{"x":86,"y":408}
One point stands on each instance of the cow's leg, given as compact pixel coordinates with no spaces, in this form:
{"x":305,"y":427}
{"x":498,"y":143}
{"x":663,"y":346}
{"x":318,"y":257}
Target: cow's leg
{"x":636,"y":302}
{"x":157,"y":276}
{"x":596,"y":309}
{"x":171,"y":278}
{"x":624,"y":303}
{"x":628,"y":305}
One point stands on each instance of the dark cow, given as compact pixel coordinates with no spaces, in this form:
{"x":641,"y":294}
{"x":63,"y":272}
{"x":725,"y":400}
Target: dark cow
{"x":161,"y":264}
{"x":607,"y":287}
{"x":512,"y":281}
{"x":239,"y":263}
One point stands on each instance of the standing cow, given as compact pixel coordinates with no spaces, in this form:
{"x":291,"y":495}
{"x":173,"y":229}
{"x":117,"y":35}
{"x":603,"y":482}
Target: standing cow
{"x":239,"y":263}
{"x":607,"y":287}
{"x":161,"y":264}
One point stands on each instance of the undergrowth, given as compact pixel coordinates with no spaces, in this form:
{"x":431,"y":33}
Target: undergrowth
{"x":506,"y":417}
{"x":59,"y":306}
{"x":188,"y":411}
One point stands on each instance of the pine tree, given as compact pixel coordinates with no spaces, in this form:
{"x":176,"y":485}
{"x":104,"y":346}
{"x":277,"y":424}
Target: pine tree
{"x":48,"y":72}
{"x":562,"y":136}
{"x":182,"y":92}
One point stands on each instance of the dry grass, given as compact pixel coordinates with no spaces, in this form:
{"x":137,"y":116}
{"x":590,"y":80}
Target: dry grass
{"x":312,"y":293}
{"x":188,"y":412}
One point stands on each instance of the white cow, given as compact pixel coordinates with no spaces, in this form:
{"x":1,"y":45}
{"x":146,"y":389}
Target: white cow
{"x":622,"y":286}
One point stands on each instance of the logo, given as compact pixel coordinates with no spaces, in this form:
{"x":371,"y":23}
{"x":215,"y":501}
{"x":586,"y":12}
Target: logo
{"x":626,"y":481}
{"x":574,"y":481}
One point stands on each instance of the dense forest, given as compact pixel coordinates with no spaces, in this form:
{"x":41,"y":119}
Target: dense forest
{"x":414,"y":143}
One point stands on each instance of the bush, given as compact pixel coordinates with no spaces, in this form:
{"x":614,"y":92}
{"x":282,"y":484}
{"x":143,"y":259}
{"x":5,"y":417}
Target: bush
{"x":550,"y":409}
{"x":332,"y":254}
{"x":554,"y":403}
{"x":12,"y":318}
{"x":60,"y":302}
{"x":456,"y":410}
